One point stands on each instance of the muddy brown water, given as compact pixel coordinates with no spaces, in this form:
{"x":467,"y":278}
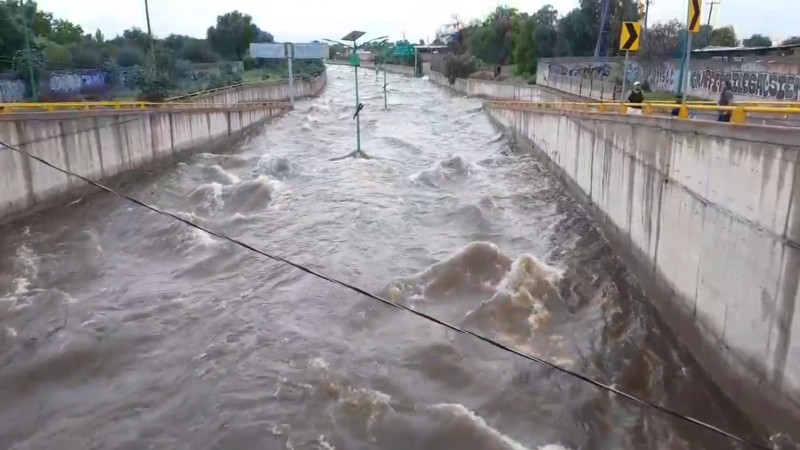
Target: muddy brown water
{"x":120,"y":329}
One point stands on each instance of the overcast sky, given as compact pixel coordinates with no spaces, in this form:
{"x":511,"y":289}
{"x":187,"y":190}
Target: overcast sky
{"x":306,"y":20}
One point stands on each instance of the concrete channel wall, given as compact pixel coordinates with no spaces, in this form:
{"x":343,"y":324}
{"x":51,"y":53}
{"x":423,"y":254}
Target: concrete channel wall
{"x":267,"y":91}
{"x":104,"y":144}
{"x":707,"y":216}
{"x":492,"y":90}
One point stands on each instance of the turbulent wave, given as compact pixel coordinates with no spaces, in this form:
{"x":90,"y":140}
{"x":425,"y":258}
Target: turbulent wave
{"x":243,"y":197}
{"x":451,"y":170}
{"x":460,"y":421}
{"x":519,"y":306}
{"x":278,"y":167}
{"x":216,"y":174}
{"x":517,"y":296}
{"x":405,"y":145}
{"x":476,"y":269}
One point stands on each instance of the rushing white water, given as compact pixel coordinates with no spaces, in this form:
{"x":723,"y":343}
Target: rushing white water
{"x":120,"y":328}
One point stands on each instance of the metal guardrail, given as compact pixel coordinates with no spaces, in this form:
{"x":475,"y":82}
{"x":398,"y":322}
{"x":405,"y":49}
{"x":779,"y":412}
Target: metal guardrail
{"x":739,"y":113}
{"x":245,"y":84}
{"x":14,"y":108}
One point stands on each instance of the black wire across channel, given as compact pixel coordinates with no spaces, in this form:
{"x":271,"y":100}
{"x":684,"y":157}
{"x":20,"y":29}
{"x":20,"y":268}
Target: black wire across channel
{"x":423,"y":315}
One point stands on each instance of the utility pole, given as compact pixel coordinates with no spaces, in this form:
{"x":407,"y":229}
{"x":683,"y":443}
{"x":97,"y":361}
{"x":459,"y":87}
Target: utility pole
{"x":150,"y":33}
{"x":711,"y":4}
{"x":646,"y":16}
{"x":28,"y":54}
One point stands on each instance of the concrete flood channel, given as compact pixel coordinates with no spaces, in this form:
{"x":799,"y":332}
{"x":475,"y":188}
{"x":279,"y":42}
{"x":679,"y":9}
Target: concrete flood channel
{"x":122,"y":329}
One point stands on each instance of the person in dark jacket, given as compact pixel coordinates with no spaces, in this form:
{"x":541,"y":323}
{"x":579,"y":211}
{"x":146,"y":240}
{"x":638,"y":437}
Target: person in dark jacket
{"x":725,"y":99}
{"x":636,"y":95}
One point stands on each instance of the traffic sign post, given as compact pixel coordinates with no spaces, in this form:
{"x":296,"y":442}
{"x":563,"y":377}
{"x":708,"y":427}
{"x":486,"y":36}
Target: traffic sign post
{"x":692,"y":26}
{"x":629,"y":40}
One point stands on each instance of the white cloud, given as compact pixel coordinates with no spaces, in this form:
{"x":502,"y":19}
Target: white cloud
{"x":305,"y":20}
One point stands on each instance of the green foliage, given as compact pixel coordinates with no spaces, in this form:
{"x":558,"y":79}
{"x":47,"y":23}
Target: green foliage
{"x":249,"y":63}
{"x":757,"y":40}
{"x":129,"y":57}
{"x":153,"y":85}
{"x":724,"y":37}
{"x":459,"y":66}
{"x":85,"y":57}
{"x":233,"y":34}
{"x":794,"y":40}
{"x":664,"y":40}
{"x":56,"y":55}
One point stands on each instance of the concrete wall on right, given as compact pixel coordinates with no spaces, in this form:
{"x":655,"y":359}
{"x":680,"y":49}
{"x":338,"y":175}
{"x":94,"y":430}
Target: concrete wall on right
{"x":707,"y":216}
{"x":762,"y":79}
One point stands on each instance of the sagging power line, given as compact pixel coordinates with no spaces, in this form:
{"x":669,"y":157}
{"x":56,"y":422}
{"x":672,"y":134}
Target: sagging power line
{"x":387,"y":302}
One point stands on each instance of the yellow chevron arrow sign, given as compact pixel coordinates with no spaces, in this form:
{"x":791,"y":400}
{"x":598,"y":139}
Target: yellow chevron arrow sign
{"x":630,"y":36}
{"x":694,"y":16}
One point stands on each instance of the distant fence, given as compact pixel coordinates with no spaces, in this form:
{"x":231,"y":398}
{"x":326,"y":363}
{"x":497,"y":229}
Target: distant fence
{"x":97,"y":83}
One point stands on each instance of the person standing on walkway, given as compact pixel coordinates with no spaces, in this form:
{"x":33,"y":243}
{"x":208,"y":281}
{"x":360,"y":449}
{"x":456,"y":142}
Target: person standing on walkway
{"x":636,"y":96}
{"x":725,"y":99}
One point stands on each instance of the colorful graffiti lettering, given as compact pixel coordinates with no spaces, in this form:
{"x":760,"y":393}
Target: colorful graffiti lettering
{"x":586,"y":71}
{"x":76,"y":82}
{"x":752,"y":84}
{"x":12,"y":90}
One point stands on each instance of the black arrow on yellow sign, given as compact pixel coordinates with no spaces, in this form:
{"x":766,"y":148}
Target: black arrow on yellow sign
{"x":694,"y":16}
{"x":629,"y":38}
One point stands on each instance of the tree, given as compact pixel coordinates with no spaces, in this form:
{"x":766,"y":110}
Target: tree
{"x":65,"y":32}
{"x":129,"y":57}
{"x":794,"y":40}
{"x":493,"y":39}
{"x":577,"y":33}
{"x":233,"y":34}
{"x":56,"y":55}
{"x":724,"y":37}
{"x":98,"y":36}
{"x":664,"y":40}
{"x":525,"y":50}
{"x":263,"y":36}
{"x":757,"y":40}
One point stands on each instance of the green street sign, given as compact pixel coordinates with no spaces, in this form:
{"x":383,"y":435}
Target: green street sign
{"x":404,"y":50}
{"x":355,"y":61}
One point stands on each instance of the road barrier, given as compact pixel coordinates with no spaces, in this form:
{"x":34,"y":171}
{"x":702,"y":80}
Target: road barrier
{"x":739,"y":113}
{"x":17,"y":108}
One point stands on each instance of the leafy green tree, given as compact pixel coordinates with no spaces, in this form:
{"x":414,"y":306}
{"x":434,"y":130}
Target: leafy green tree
{"x":794,"y":40}
{"x":85,"y":57}
{"x":129,"y":57}
{"x":233,"y":34}
{"x":724,"y":37}
{"x":757,"y":40}
{"x":56,"y":55}
{"x":525,"y":51}
{"x":65,"y":32}
{"x":664,"y":40}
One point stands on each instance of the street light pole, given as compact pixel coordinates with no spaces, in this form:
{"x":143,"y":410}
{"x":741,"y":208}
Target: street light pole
{"x":149,"y":32}
{"x":28,"y":55}
{"x":353,"y":36}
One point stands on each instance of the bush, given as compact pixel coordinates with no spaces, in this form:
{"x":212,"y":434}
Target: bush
{"x":249,"y":63}
{"x":129,"y":57}
{"x":154,"y":86}
{"x":459,"y":66}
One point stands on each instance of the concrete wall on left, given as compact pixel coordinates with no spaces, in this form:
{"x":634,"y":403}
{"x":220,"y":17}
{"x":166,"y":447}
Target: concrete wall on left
{"x":267,"y":91}
{"x":103,"y":144}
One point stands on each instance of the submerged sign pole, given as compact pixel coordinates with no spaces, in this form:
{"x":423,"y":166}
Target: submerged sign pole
{"x":355,"y":61}
{"x":692,"y":26}
{"x":289,"y":57}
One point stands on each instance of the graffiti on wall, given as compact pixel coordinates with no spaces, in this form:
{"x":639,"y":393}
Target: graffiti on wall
{"x":633,"y":71}
{"x":12,"y":90}
{"x":597,"y":71}
{"x":663,"y":77}
{"x":71,"y":83}
{"x":766,"y":85}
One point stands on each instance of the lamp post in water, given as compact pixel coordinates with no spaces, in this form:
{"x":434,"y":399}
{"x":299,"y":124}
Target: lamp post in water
{"x":353,"y":36}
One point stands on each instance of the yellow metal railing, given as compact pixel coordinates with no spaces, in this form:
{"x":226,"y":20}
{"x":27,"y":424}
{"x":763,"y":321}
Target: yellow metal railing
{"x":739,"y":113}
{"x":9,"y":108}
